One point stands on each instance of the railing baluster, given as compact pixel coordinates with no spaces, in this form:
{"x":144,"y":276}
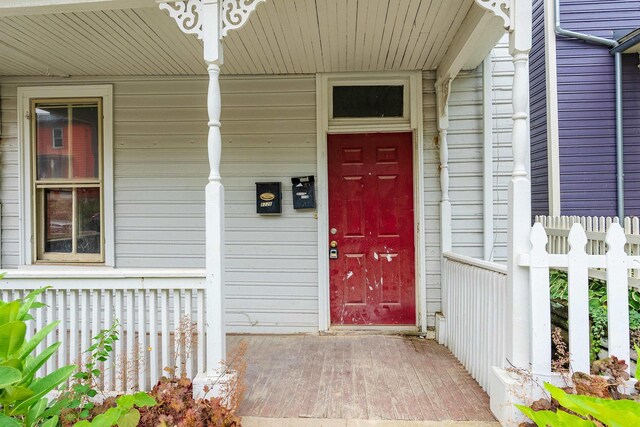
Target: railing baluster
{"x":540,"y":302}
{"x":617,"y":294}
{"x":154,"y":372}
{"x":578,"y":274}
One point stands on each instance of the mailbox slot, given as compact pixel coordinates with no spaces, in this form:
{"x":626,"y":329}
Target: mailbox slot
{"x":304,"y":192}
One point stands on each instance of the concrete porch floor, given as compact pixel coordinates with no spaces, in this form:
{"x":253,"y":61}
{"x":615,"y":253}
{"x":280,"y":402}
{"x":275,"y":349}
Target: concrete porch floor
{"x":357,"y":377}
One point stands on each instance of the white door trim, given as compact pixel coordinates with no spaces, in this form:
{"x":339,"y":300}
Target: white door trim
{"x":412,"y":123}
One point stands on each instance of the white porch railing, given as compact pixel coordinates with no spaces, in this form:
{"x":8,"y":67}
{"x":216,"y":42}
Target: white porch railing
{"x":474,"y":298}
{"x":161,"y":323}
{"x":578,"y":262}
{"x":557,"y":228}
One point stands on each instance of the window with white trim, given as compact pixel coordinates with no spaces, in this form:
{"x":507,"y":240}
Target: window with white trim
{"x":67,"y":182}
{"x":66,"y":186}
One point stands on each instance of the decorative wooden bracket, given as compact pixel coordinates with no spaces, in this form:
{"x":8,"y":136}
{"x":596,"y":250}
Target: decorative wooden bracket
{"x":443,"y":92}
{"x":187,"y":14}
{"x":500,"y":8}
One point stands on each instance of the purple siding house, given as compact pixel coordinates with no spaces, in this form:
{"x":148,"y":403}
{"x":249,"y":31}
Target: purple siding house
{"x":574,"y":159}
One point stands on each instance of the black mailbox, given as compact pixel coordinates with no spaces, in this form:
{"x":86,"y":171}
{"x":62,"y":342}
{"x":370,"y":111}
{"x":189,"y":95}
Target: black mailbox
{"x":304,"y":194}
{"x":268,"y":198}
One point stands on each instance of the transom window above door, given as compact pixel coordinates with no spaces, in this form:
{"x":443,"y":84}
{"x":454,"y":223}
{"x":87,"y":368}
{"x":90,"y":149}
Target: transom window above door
{"x":67,"y":179}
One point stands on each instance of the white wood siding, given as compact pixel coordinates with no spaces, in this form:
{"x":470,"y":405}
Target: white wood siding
{"x":268,"y":135}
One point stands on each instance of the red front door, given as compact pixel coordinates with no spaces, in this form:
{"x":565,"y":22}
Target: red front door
{"x":371,"y":221}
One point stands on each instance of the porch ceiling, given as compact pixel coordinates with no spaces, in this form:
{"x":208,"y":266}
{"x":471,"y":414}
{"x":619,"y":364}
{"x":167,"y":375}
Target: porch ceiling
{"x":283,"y":36}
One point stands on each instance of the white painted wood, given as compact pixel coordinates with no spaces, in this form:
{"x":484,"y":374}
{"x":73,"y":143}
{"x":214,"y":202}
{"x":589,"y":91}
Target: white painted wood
{"x":128,"y":369}
{"x":540,"y":302}
{"x":519,"y":212}
{"x":617,"y":295}
{"x":553,"y":133}
{"x":487,"y":156}
{"x":300,"y":36}
{"x":476,"y":290}
{"x":578,"y":275}
{"x":24,"y":97}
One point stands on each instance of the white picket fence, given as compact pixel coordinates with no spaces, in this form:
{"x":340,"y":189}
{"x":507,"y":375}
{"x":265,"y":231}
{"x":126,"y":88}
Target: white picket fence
{"x":160,"y":327}
{"x":557,"y":228}
{"x":577,"y":261}
{"x":474,"y":296}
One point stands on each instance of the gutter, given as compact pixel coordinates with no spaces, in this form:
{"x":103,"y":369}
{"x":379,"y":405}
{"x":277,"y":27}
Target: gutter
{"x":619,"y":113}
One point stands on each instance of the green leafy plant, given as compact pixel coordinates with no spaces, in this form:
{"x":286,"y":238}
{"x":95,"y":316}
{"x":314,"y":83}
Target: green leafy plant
{"x":613,"y":413}
{"x":85,"y":386}
{"x":22,"y":394}
{"x":124,"y":414}
{"x":559,"y":291}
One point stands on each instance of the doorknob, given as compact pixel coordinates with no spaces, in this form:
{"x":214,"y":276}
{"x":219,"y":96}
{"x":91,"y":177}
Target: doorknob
{"x":333,"y":251}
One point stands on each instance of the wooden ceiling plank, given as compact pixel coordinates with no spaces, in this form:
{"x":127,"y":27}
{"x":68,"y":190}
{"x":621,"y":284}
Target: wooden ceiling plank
{"x":174,"y":38}
{"x":422,"y":17}
{"x":314,"y":32}
{"x":407,"y":28}
{"x":112,"y":50}
{"x":455,"y":16}
{"x":58,"y":33}
{"x":162,"y":44}
{"x":258,"y":31}
{"x":369,"y":33}
{"x":392,"y":12}
{"x":334,"y":46}
{"x":42,"y":7}
{"x":423,"y":36}
{"x":304,"y":26}
{"x":382,"y":9}
{"x":323,"y":25}
{"x":361,"y":23}
{"x":350,"y":17}
{"x":243,"y":60}
{"x":287,"y":18}
{"x":15,"y":33}
{"x":18,"y":65}
{"x":272,"y":12}
{"x":248,"y":32}
{"x":117,"y":38}
{"x":341,"y":34}
{"x":429,"y":44}
{"x":143,"y":42}
{"x":270,"y":36}
{"x":400,"y":18}
{"x":250,"y":47}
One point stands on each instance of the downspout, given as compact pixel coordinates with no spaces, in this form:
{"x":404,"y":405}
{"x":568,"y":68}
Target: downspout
{"x":619,"y":113}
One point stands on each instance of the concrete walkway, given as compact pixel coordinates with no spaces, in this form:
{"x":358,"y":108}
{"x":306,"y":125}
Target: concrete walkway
{"x":311,"y":380}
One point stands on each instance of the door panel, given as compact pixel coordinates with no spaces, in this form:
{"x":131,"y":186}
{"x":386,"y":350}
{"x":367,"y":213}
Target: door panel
{"x":372,"y":281}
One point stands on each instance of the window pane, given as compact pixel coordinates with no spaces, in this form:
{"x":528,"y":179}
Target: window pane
{"x":89,"y":241}
{"x":52,"y":145}
{"x":58,"y":208}
{"x":84,"y":142}
{"x":368,"y":101}
{"x":67,"y":141}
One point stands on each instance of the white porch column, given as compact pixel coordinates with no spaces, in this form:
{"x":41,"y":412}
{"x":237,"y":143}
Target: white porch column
{"x":214,"y":196}
{"x":211,"y":20}
{"x":518,"y":322}
{"x":443,"y":90}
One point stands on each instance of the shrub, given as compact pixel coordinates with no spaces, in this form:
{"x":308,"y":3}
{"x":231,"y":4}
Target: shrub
{"x":22,"y":394}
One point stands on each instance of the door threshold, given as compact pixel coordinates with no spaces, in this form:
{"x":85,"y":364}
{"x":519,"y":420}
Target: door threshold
{"x":373,"y":330}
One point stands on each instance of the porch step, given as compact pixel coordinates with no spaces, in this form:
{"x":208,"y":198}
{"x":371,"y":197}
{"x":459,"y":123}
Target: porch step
{"x":325,"y":422}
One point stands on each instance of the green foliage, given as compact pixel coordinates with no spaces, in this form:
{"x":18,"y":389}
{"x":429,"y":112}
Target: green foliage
{"x":613,"y":413}
{"x":86,"y":380}
{"x":22,"y":395}
{"x":558,"y":288}
{"x":124,"y":414}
